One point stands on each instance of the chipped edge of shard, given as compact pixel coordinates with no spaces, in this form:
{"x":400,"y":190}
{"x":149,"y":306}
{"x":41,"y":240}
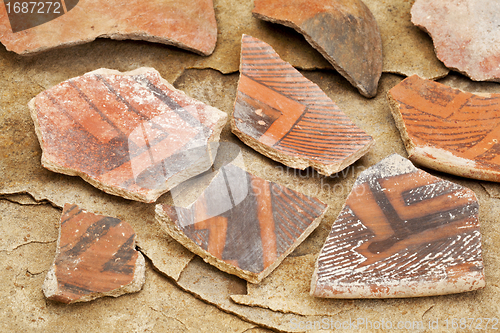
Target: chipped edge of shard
{"x":317,"y":47}
{"x":437,"y":158}
{"x":295,"y":162}
{"x":153,"y":195}
{"x":176,"y":233}
{"x":399,"y":166}
{"x":50,"y":285}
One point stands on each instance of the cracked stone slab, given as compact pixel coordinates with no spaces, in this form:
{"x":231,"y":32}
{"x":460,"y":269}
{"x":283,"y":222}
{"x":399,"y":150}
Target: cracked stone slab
{"x":17,"y":227}
{"x":402,"y":233}
{"x":465,"y":34}
{"x":288,"y":118}
{"x":325,"y":25}
{"x":95,"y":257}
{"x":129,"y":134}
{"x":243,"y":224}
{"x":191,"y":26}
{"x":289,"y":286}
{"x":447,"y":129}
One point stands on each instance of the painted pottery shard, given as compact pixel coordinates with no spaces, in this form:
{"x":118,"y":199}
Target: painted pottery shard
{"x":286,"y":117}
{"x":189,"y":25}
{"x":95,"y":257}
{"x":243,"y":224}
{"x":129,"y":134}
{"x":401,"y":233}
{"x":345,"y":33}
{"x":448,"y":129}
{"x":465,"y":34}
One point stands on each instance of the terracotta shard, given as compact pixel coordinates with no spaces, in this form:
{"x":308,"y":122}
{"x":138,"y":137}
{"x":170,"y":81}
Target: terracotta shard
{"x":129,"y":134}
{"x":189,"y":25}
{"x":465,"y":34}
{"x":448,"y":129}
{"x":243,"y":224}
{"x":95,"y":257}
{"x":345,"y":33}
{"x":286,"y":117}
{"x":401,"y":233}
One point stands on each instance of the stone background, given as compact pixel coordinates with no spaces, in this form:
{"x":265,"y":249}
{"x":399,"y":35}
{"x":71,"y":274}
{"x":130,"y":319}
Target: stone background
{"x":182,"y":293}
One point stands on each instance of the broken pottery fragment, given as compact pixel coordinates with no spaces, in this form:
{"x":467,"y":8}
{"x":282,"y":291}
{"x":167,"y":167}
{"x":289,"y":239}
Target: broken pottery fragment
{"x":286,"y":117}
{"x":465,"y":34}
{"x":448,"y":129}
{"x":345,"y":33}
{"x":401,"y":233}
{"x":129,"y":134}
{"x":95,"y":257}
{"x":188,"y":25}
{"x":243,"y":224}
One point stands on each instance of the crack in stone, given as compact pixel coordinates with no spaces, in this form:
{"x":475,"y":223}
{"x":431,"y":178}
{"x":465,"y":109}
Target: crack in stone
{"x":168,"y":317}
{"x":423,"y":314}
{"x":28,"y":243}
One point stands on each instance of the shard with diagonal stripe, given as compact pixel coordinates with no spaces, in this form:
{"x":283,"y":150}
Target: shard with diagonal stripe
{"x":95,"y":257}
{"x":448,"y":129}
{"x":286,"y":117}
{"x":402,"y":233}
{"x":243,"y":224}
{"x":129,"y":134}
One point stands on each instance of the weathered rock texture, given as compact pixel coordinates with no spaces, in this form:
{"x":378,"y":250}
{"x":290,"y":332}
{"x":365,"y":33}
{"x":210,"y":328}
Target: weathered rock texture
{"x":129,"y":134}
{"x":448,"y":129}
{"x":286,"y":117}
{"x":243,"y":224}
{"x":189,"y":25}
{"x":402,"y":233}
{"x":345,"y":33}
{"x":465,"y":34}
{"x":95,"y":257}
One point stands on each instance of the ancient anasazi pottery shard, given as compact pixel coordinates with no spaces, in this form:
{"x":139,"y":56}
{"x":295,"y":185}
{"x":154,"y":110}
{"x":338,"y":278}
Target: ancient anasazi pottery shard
{"x":95,"y":257}
{"x":401,"y":233}
{"x":344,"y":32}
{"x":286,"y":117}
{"x":243,"y":224}
{"x":190,"y":25}
{"x":465,"y":34}
{"x":129,"y":134}
{"x":448,"y":129}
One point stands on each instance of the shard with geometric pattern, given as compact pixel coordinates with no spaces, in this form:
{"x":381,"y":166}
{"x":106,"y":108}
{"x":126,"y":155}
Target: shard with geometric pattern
{"x":447,"y":129}
{"x":95,"y":257}
{"x":402,"y":233}
{"x":243,"y":224}
{"x":288,"y":118}
{"x":129,"y":134}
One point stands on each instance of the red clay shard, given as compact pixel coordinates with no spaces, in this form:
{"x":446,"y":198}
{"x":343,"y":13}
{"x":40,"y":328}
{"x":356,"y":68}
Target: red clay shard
{"x":402,"y":233}
{"x":447,"y":129}
{"x":286,"y":117}
{"x":95,"y":257}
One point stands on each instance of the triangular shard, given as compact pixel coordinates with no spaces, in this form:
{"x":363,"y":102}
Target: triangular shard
{"x":288,"y":118}
{"x":447,"y":129}
{"x":465,"y":34}
{"x":95,"y":257}
{"x":344,"y":32}
{"x":243,"y":224}
{"x":189,"y":25}
{"x":402,"y":233}
{"x":129,"y":134}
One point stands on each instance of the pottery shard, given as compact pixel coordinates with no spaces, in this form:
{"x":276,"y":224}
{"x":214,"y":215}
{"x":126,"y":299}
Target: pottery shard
{"x":243,"y":224}
{"x":95,"y":257}
{"x":129,"y":134}
{"x":448,"y":129}
{"x":286,"y":117}
{"x":190,"y":25}
{"x":401,"y":233}
{"x":465,"y":34}
{"x":345,"y":33}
